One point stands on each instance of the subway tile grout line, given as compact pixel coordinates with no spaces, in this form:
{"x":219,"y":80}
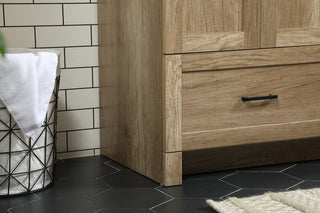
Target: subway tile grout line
{"x":65,"y":100}
{"x":79,"y":88}
{"x":64,"y":57}
{"x":75,"y":130}
{"x":62,"y":6}
{"x":35,"y":36}
{"x":77,"y":150}
{"x":50,"y":3}
{"x":79,"y":109}
{"x":93,"y":123}
{"x":52,"y":25}
{"x":3,"y":16}
{"x":91,"y":35}
{"x":92,"y":77}
{"x":67,"y":142}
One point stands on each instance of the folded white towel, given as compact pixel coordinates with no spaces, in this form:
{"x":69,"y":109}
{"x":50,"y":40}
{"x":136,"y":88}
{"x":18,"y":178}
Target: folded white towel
{"x":26,"y":84}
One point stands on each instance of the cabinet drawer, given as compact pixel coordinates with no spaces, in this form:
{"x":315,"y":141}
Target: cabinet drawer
{"x":212,"y":105}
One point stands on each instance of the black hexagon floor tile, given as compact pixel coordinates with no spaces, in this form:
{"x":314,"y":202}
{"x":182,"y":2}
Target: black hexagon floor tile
{"x":98,"y":184}
{"x":247,"y":193}
{"x":86,"y":168}
{"x":123,"y":210}
{"x":208,"y":176}
{"x":261,"y":180}
{"x":184,"y":205}
{"x":271,"y":168}
{"x":307,"y":185}
{"x":117,"y":166}
{"x":56,"y":205}
{"x":199,"y":188}
{"x":6,"y":203}
{"x":128,"y":179}
{"x":306,"y":170}
{"x":128,"y":198}
{"x":75,"y":189}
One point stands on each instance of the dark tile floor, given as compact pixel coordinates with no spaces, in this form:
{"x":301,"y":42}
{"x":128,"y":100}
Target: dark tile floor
{"x":97,"y":184}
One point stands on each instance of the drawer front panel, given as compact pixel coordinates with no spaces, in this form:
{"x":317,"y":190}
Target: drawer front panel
{"x":212,"y":100}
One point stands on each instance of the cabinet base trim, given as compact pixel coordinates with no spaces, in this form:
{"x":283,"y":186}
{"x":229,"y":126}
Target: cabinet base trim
{"x":250,"y":135}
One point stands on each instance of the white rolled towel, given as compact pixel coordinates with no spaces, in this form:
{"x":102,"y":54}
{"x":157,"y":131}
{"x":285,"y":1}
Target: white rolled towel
{"x":26,"y":84}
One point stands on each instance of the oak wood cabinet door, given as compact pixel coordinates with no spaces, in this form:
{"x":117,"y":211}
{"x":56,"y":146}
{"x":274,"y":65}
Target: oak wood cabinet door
{"x":290,"y":23}
{"x":211,"y":25}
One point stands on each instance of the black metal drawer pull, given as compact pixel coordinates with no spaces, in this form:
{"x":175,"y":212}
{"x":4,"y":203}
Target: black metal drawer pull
{"x":269,"y":97}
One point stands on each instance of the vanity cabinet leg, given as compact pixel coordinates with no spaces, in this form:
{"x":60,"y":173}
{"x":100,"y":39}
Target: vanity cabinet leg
{"x":172,"y":169}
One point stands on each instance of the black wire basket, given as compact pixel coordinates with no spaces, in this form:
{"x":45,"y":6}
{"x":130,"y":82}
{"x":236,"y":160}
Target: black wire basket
{"x":27,"y":164}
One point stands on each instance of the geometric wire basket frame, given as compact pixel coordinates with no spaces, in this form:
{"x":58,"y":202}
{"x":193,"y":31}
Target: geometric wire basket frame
{"x":27,"y":164}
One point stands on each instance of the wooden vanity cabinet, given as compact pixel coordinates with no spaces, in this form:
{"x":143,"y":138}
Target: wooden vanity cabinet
{"x":179,"y":81}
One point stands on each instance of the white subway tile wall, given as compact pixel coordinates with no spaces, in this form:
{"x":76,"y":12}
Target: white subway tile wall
{"x":95,"y":77}
{"x":70,"y":27}
{"x":31,"y":14}
{"x":19,"y":36}
{"x":80,"y":14}
{"x":75,"y":120}
{"x":62,"y":146}
{"x":85,"y":98}
{"x":81,"y":57}
{"x":79,"y":140}
{"x":83,"y":79}
{"x":63,"y":36}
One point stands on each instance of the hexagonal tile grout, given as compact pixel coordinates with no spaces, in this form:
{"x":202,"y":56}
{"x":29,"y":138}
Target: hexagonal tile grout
{"x":160,"y":204}
{"x":261,"y":171}
{"x":107,"y":164}
{"x":291,"y":176}
{"x":295,"y":185}
{"x":289,"y":167}
{"x":236,"y":172}
{"x":226,"y":182}
{"x":222,"y":197}
{"x":38,"y":199}
{"x":231,"y":184}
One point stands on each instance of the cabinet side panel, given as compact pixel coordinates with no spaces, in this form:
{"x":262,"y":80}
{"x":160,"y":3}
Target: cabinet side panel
{"x":130,"y":55}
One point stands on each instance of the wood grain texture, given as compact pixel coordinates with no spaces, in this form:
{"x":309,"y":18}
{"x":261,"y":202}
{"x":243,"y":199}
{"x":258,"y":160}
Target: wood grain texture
{"x":130,"y":53}
{"x":298,"y":37}
{"x":207,"y":16}
{"x":213,"y":42}
{"x":172,"y":169}
{"x":201,"y":25}
{"x":250,"y":135}
{"x":289,"y":13}
{"x":212,"y":100}
{"x":173,"y":103}
{"x":310,"y":14}
{"x":232,"y":157}
{"x":250,"y":58}
{"x":268,"y":23}
{"x":172,"y":26}
{"x":252,"y":23}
